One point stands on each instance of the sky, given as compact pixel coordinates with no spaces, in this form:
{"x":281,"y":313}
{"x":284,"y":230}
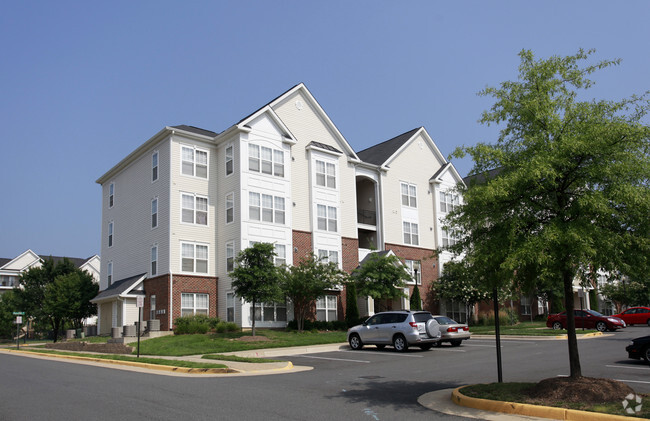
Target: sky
{"x":83,"y":84}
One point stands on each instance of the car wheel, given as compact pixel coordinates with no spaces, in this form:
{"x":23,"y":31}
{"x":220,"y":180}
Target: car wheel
{"x":456,"y":342}
{"x":601,"y":326}
{"x":426,"y":347}
{"x":648,"y":322}
{"x":355,"y":342}
{"x":380,"y":346}
{"x":646,"y":354}
{"x":400,"y":344}
{"x":557,"y":326}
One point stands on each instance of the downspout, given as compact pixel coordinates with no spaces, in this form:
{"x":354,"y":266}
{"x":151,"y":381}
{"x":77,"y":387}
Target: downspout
{"x":169,"y":232}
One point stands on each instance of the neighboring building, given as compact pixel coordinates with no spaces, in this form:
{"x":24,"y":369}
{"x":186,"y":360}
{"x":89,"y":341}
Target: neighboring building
{"x":178,"y":210}
{"x":10,"y":269}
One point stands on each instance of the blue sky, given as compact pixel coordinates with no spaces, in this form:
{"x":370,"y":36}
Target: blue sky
{"x":82,"y":84}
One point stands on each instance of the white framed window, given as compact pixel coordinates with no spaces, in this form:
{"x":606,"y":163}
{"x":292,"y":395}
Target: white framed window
{"x":325,"y":174}
{"x":230,"y":163}
{"x":525,"y":306}
{"x":409,"y":195}
{"x":154,"y":212}
{"x":280,"y":257}
{"x":154,"y":166}
{"x":194,"y":162}
{"x":266,"y":160}
{"x":152,"y":307}
{"x":415,"y":270}
{"x":449,"y":238}
{"x":230,"y":256}
{"x":154,"y":260}
{"x":194,"y":258}
{"x":230,"y":307}
{"x":448,"y":202}
{"x":194,"y":209}
{"x":111,"y":226}
{"x":326,"y":308}
{"x":111,"y":195}
{"x":411,"y":233}
{"x":269,"y":312}
{"x":328,"y":256}
{"x":193,"y":304}
{"x":326,"y":218}
{"x":109,"y":269}
{"x":230,"y":208}
{"x":266,"y":208}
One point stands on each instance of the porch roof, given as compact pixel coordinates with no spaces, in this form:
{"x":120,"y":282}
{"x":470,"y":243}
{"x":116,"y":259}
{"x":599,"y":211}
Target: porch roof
{"x":121,"y":287}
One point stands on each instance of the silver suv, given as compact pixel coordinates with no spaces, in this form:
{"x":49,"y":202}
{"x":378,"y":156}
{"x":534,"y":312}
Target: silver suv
{"x":398,"y":328}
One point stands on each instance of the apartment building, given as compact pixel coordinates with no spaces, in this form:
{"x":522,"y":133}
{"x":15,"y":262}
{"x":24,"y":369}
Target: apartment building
{"x":178,"y":209}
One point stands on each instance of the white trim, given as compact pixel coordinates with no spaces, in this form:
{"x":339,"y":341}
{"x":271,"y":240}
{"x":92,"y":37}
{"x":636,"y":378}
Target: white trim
{"x":195,"y":149}
{"x":232,"y":193}
{"x":194,"y":257}
{"x":155,"y":199}
{"x":194,"y":209}
{"x":157,"y":166}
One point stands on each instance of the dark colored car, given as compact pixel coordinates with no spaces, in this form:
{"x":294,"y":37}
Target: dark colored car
{"x":589,"y":319}
{"x":635,"y":316}
{"x":639,"y":348}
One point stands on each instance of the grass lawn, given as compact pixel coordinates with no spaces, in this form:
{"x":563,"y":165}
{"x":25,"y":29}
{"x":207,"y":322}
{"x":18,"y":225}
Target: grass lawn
{"x":512,"y":392}
{"x":524,"y":329}
{"x":157,"y":361}
{"x":178,"y":345}
{"x":221,"y":357}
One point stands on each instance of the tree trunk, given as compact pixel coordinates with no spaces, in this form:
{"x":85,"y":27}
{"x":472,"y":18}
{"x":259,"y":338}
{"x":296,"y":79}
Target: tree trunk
{"x":574,"y":356}
{"x":254,"y":317}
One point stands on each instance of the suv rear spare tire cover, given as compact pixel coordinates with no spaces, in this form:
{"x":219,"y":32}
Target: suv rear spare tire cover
{"x":432,"y":328}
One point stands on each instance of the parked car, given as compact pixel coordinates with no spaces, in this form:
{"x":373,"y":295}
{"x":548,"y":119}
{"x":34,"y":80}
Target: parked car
{"x":400,"y":329}
{"x":452,"y":331}
{"x":635,"y":316}
{"x":589,"y":319}
{"x":639,"y":348}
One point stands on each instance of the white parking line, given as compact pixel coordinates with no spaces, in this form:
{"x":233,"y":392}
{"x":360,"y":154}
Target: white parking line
{"x":333,"y":359}
{"x":631,"y":381}
{"x":449,"y":350}
{"x":624,"y":366}
{"x":383,"y":353}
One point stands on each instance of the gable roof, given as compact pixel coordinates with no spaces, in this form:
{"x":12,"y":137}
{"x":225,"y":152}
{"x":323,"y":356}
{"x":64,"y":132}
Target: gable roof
{"x":380,"y":153}
{"x":481,"y":178}
{"x":448,"y":167}
{"x":121,"y":287}
{"x":4,"y":261}
{"x":196,"y":130}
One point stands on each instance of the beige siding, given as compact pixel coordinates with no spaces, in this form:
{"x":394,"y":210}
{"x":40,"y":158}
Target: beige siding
{"x":130,"y":311}
{"x":131,"y":213}
{"x":105,"y":321}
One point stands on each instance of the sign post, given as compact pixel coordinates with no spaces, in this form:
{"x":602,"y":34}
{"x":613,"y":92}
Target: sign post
{"x":19,"y":320}
{"x":139,"y":304}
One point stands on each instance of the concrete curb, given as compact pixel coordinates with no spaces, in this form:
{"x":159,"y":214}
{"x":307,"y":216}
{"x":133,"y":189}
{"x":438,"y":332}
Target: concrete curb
{"x":530,"y":410}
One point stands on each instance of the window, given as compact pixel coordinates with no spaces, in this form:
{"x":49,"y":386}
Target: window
{"x":326,"y":308}
{"x":449,"y":238}
{"x":230,"y":256}
{"x":525,"y":306}
{"x":326,"y":217}
{"x":194,"y":209}
{"x":110,"y":273}
{"x":154,"y":166}
{"x":152,"y":307}
{"x":194,"y":258}
{"x":8,"y":280}
{"x":269,"y":312}
{"x":409,"y":195}
{"x":154,"y":260}
{"x":281,"y":254}
{"x":268,"y":209}
{"x":154,"y":213}
{"x":328,"y":256}
{"x":110,"y":234}
{"x":192,"y":304}
{"x":411,"y":233}
{"x":415,"y":270}
{"x":230,"y":207}
{"x":270,"y":161}
{"x":325,"y":174}
{"x":230,"y":307}
{"x":448,"y":202}
{"x":194,"y":162}
{"x":111,"y":195}
{"x":229,"y":160}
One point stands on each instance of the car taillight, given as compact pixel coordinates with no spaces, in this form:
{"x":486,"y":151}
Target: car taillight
{"x":414,"y":325}
{"x":465,"y":328}
{"x":452,"y":329}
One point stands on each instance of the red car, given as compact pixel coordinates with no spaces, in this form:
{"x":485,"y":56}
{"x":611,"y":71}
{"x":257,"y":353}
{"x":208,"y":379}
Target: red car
{"x":635,"y":316}
{"x":588,"y":319}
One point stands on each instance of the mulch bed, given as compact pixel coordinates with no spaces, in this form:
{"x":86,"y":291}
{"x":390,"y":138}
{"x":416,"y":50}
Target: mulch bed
{"x":587,"y":390}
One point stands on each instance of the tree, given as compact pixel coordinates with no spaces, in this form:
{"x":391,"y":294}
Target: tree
{"x":415,"y":301}
{"x":7,"y":319}
{"x":626,"y":293}
{"x":56,"y":293}
{"x":457,"y":284}
{"x":381,"y":276}
{"x":304,"y":283}
{"x":351,"y":306}
{"x":564,"y":189}
{"x":255,"y":277}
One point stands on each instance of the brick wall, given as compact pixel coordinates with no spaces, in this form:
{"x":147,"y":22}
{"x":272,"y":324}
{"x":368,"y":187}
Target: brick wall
{"x":302,"y":245}
{"x":158,"y":286}
{"x":350,"y":261}
{"x":194,"y":284}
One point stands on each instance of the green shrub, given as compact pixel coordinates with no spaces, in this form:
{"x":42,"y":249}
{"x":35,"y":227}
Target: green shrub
{"x":221,"y":327}
{"x":232,"y":327}
{"x":199,"y":323}
{"x":316,"y":325}
{"x":507,"y":317}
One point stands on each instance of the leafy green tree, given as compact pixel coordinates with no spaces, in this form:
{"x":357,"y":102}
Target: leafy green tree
{"x":255,"y":277}
{"x":7,"y":307}
{"x":564,"y":188}
{"x":303,"y":283}
{"x":415,"y":301}
{"x":626,"y":294}
{"x":381,"y":276}
{"x":351,"y":306}
{"x":56,"y":293}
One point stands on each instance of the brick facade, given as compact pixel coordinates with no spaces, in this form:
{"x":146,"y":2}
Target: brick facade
{"x":194,"y":284}
{"x":158,"y":286}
